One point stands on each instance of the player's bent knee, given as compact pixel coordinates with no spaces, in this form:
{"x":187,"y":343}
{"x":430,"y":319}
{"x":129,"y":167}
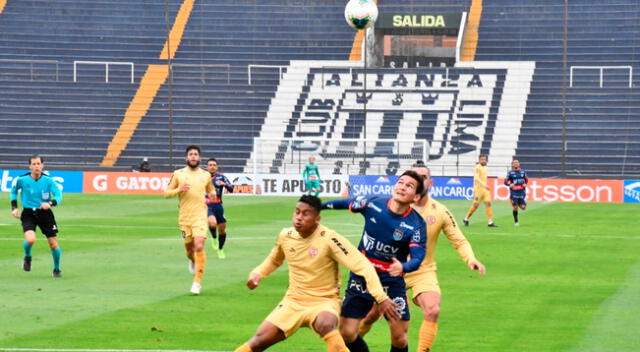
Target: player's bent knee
{"x":431,"y":312}
{"x":399,"y":339}
{"x":324,"y":323}
{"x":348,"y":335}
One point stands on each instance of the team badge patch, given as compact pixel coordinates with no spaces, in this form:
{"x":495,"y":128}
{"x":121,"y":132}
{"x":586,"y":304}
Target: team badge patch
{"x":431,"y":219}
{"x":313,"y":251}
{"x":398,"y":234}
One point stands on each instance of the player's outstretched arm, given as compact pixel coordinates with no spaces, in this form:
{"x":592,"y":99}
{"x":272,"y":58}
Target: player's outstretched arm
{"x":272,"y":262}
{"x":172,"y":188}
{"x":476,"y":265}
{"x":253,"y":281}
{"x":338,"y":204}
{"x":14,"y":199}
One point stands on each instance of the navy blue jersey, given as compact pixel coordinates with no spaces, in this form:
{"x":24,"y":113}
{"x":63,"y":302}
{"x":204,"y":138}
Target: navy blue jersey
{"x":387,"y":235}
{"x":220,"y":182}
{"x":517,"y":180}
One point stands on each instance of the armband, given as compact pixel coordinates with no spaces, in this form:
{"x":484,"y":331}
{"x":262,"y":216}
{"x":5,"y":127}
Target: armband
{"x":14,"y":205}
{"x":53,"y":203}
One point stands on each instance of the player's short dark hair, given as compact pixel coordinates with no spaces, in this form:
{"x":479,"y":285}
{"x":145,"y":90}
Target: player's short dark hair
{"x":35,"y":156}
{"x":212,"y":159}
{"x":419,"y":163}
{"x":482,"y":156}
{"x":416,"y":176}
{"x":192,"y":147}
{"x":313,"y":201}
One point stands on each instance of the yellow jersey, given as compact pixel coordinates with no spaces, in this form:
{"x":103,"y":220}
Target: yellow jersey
{"x":192,"y":206}
{"x":313,"y":264}
{"x":439,"y":218}
{"x":479,"y":178}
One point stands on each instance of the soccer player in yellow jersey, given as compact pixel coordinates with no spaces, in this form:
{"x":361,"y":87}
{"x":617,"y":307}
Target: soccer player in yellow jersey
{"x":312,"y":299}
{"x":481,"y":191}
{"x":424,"y":282}
{"x":190,"y":184}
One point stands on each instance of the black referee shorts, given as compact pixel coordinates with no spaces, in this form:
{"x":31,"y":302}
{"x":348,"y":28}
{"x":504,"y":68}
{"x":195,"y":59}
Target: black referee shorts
{"x":43,"y":219}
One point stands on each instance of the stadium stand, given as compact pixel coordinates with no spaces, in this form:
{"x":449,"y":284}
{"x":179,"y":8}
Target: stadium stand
{"x":234,"y":54}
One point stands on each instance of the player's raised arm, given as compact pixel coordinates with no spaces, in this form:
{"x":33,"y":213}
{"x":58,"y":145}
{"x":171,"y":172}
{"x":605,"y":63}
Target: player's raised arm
{"x":272,"y":262}
{"x":172,"y":188}
{"x":355,"y":205}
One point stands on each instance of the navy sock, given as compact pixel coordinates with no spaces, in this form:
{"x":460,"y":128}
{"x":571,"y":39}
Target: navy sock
{"x":358,"y":345}
{"x":213,"y":231}
{"x":515,"y":215}
{"x":222,"y":240}
{"x":399,"y":349}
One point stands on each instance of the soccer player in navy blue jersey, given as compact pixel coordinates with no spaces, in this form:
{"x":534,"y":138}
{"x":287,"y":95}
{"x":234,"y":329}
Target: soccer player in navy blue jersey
{"x":517,"y":181}
{"x":38,"y":193}
{"x":393,"y":231}
{"x":215,"y":212}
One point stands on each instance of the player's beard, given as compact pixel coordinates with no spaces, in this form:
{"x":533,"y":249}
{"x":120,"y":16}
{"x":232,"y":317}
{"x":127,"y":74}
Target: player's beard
{"x":194,"y":165}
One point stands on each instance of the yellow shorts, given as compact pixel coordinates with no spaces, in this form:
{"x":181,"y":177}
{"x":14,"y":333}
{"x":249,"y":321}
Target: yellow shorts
{"x":481,"y":195}
{"x":289,"y":315}
{"x":191,"y":231}
{"x":422,"y":281}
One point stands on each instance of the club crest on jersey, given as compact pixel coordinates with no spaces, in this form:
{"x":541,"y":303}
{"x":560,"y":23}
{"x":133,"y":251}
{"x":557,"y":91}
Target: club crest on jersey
{"x":398,"y":234}
{"x":313,"y":251}
{"x":431,"y":219}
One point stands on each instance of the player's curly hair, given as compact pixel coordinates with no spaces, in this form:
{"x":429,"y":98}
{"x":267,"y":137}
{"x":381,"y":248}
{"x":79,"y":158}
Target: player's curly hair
{"x":313,"y":201}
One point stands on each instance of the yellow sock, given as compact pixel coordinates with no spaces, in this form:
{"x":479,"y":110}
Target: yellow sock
{"x":244,"y":348}
{"x":428,"y":331}
{"x":334,"y":342}
{"x":364,"y":328}
{"x":489,"y":212}
{"x":201,"y":259}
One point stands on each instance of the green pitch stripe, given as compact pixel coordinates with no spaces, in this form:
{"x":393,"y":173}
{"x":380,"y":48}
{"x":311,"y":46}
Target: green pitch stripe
{"x":610,"y":328}
{"x":94,"y":350}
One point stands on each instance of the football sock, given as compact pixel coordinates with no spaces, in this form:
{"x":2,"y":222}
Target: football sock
{"x":56,"y":253}
{"x":213,"y":230}
{"x":358,"y":345}
{"x":489,"y":212}
{"x":364,"y":328}
{"x":222,"y":240}
{"x":334,"y":342}
{"x":399,"y":349}
{"x":201,"y":259}
{"x":471,"y":211}
{"x":316,"y":194}
{"x":27,"y":248}
{"x":244,"y":348}
{"x":515,"y":215}
{"x":428,"y":331}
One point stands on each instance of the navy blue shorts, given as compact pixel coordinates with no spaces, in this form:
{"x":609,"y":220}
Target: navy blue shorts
{"x":358,"y":302}
{"x":216,"y":210}
{"x":518,"y":200}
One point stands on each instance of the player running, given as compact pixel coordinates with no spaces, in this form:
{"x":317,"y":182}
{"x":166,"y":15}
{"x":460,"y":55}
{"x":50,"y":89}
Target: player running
{"x":517,"y":181}
{"x":38,"y":193}
{"x":424,"y":281}
{"x":215,"y":211}
{"x":481,"y":191}
{"x":189,"y":184}
{"x":313,"y":252}
{"x":392,"y":232}
{"x":311,"y":176}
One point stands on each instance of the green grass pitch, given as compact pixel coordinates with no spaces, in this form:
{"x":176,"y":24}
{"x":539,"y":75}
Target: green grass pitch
{"x":568,"y":279}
